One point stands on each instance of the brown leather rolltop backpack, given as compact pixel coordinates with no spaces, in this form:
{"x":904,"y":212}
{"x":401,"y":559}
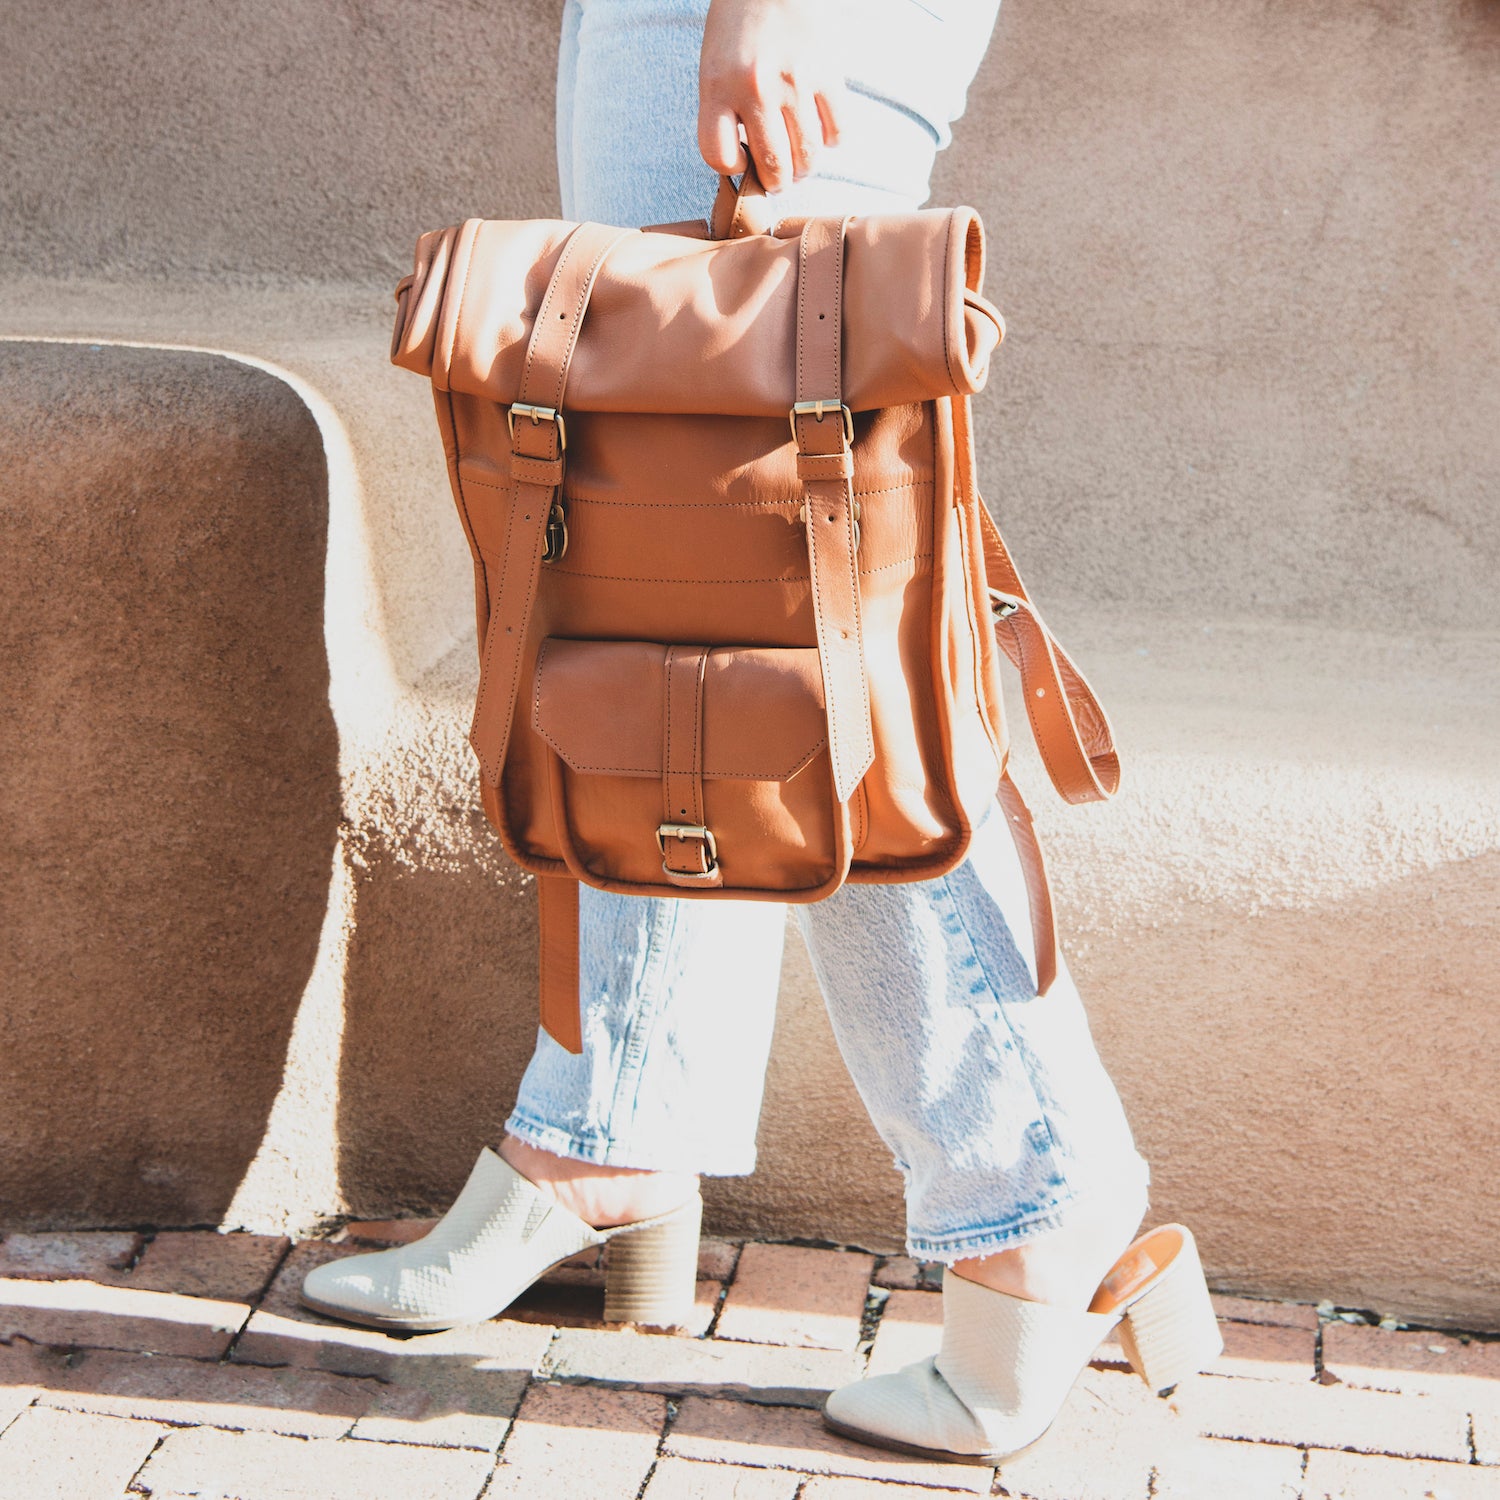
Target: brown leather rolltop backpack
{"x":738,"y":596}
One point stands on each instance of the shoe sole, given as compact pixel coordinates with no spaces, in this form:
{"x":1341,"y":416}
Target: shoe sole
{"x":942,"y":1455}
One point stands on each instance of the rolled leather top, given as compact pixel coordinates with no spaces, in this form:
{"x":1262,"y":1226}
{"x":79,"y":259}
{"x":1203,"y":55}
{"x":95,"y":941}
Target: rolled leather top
{"x":681,"y":324}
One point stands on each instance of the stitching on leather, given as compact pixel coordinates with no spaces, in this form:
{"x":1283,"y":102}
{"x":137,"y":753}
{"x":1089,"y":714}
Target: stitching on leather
{"x":538,"y":539}
{"x":584,"y":293}
{"x":553,"y":283}
{"x":698,"y":676}
{"x":536,"y":701}
{"x":578,"y":497}
{"x":838,"y":303}
{"x":901,"y":562}
{"x":947,"y":349}
{"x":769,"y":775}
{"x":666,"y":734}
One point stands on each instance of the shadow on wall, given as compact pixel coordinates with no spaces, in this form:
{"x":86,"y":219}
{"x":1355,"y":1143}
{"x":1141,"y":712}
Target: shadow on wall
{"x":169,"y":792}
{"x":439,"y":1024}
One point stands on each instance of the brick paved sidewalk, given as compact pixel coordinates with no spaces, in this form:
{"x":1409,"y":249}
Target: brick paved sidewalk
{"x":181,"y":1365}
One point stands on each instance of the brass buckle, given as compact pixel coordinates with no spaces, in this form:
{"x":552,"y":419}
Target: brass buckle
{"x":688,"y":831}
{"x":1003,"y":606}
{"x":817,"y":409}
{"x":557,"y":533}
{"x":537,"y":414}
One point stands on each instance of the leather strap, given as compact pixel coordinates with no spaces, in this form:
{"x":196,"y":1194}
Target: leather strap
{"x":827,"y":471}
{"x":740,"y":208}
{"x":1038,"y":887}
{"x":687,"y":860}
{"x":537,"y":467}
{"x":1070,"y":728}
{"x":1069,"y":724}
{"x":557,"y":924}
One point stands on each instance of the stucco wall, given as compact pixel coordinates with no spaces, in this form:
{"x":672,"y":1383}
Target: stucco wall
{"x":1242,"y":437}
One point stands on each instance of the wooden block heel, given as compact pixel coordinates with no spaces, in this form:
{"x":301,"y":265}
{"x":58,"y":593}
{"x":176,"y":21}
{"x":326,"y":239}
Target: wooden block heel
{"x":1169,"y":1331}
{"x":651,"y":1271}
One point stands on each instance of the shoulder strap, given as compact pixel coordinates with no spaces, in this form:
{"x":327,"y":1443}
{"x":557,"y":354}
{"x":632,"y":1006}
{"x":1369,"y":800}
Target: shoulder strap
{"x":538,"y":442}
{"x":1071,"y":730}
{"x":823,"y":429}
{"x":1067,"y":721}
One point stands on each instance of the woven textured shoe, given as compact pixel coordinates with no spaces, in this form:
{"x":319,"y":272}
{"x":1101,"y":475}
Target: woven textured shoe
{"x":1007,"y":1365}
{"x":501,"y":1234}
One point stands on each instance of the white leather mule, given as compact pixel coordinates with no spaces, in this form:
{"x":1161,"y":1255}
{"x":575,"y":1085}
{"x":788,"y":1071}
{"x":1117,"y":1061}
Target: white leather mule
{"x":1006,"y":1365}
{"x":501,"y":1234}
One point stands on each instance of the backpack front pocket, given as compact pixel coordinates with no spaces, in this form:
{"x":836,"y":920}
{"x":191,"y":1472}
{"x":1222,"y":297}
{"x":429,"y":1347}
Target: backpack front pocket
{"x":691,"y":769}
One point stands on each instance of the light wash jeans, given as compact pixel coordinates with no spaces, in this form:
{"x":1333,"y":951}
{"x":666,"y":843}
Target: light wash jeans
{"x":992,"y":1100}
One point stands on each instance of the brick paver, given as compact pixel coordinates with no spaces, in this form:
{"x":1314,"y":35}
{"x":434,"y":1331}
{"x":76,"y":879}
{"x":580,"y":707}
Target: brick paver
{"x":1486,"y":1426}
{"x":283,"y":1332}
{"x":64,"y":1455}
{"x":14,"y":1398}
{"x":249,"y":1395}
{"x":902,"y":1273}
{"x":1355,"y":1476}
{"x":681,"y":1479}
{"x":911,"y":1328}
{"x":93,"y":1255}
{"x":704,"y":1367}
{"x":1320,"y":1416}
{"x":1256,"y":1310}
{"x":571,"y":1442}
{"x":1102,"y":1446}
{"x":829,"y":1488}
{"x":1419,"y":1363}
{"x":1267,"y":1351}
{"x":300,"y":1403}
{"x":116,"y":1317}
{"x":1207,"y":1468}
{"x":368,"y":1233}
{"x":232,"y":1267}
{"x":208,"y":1464}
{"x":785,"y":1294}
{"x":785,"y":1437}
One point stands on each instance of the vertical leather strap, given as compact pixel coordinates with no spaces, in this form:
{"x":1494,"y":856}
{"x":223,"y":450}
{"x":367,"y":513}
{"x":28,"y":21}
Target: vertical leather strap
{"x":1038,"y":887}
{"x":557,"y":928}
{"x":826,"y":468}
{"x":687,"y":858}
{"x":1068,"y":722}
{"x":537,"y":445}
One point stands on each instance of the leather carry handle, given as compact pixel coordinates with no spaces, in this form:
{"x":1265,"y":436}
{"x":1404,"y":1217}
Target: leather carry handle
{"x":740,"y":208}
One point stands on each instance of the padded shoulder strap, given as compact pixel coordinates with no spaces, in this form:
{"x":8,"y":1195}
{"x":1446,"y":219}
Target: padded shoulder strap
{"x":537,"y":447}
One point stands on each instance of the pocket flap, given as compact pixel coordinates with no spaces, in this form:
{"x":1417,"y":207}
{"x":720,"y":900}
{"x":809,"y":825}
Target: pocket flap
{"x":600,"y":705}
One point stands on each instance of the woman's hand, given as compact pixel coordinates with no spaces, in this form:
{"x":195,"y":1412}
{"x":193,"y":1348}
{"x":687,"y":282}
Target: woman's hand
{"x":770,"y":65}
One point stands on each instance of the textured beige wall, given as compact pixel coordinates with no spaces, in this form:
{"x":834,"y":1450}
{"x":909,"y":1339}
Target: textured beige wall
{"x":169,"y":790}
{"x":1243,"y":438}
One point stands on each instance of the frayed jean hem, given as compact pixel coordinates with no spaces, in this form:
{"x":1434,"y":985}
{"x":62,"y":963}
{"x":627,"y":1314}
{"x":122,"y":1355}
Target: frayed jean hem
{"x":974,"y":1244}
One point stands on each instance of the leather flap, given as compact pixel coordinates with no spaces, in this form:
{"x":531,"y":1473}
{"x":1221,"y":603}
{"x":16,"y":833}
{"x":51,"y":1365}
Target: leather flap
{"x":599,"y":705}
{"x":680,"y":324}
